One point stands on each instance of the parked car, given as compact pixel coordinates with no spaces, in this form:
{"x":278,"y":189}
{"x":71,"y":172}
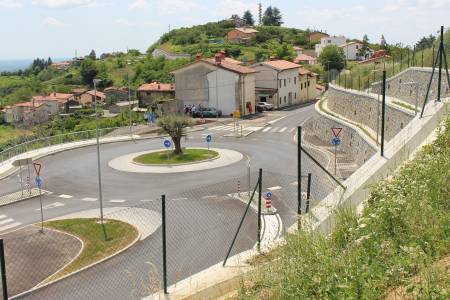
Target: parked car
{"x":264,"y":106}
{"x":207,"y":112}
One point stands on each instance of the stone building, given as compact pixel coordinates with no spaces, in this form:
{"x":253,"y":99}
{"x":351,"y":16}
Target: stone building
{"x":150,"y":92}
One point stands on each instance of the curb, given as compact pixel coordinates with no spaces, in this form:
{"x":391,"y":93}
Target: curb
{"x":175,"y":165}
{"x":37,"y":287}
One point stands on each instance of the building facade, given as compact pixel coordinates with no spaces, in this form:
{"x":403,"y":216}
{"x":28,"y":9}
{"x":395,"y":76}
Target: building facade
{"x":329,"y":40}
{"x":241,"y":34}
{"x":150,"y":92}
{"x":352,"y":51}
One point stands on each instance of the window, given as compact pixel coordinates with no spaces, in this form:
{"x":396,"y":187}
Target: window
{"x":285,"y":82}
{"x":356,"y":46}
{"x":295,"y":80}
{"x":295,"y":96}
{"x":280,"y":100}
{"x":301,"y":86}
{"x":308,"y":83}
{"x":284,"y":99}
{"x":280,"y":82}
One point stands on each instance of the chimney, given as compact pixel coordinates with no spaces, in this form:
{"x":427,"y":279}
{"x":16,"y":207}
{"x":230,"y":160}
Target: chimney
{"x":198,"y":56}
{"x":54,"y":94}
{"x":222,"y":54}
{"x":218,"y":58}
{"x":159,"y":86}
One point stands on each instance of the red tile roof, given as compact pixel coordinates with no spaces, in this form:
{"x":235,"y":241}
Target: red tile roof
{"x":281,"y":64}
{"x":247,"y":30}
{"x":99,"y":94}
{"x":233,"y":67}
{"x":303,"y":57}
{"x":60,"y":97}
{"x":28,"y":104}
{"x":157,"y":87}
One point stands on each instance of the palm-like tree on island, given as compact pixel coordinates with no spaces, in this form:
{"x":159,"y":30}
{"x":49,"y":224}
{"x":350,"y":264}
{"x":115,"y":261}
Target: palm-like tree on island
{"x":175,"y":126}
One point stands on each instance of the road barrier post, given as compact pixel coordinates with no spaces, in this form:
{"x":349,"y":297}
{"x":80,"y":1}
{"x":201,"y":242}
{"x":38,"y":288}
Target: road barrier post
{"x":259,"y":208}
{"x":383,"y":110}
{"x":308,"y":193}
{"x":163,"y":212}
{"x":3,"y":271}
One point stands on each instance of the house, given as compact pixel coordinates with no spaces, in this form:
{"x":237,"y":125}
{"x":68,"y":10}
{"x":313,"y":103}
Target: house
{"x":377,"y":57}
{"x":117,"y":94}
{"x":316,"y":36}
{"x":88,"y":98}
{"x":77,"y":92}
{"x":29,"y":113}
{"x":298,"y":50}
{"x":64,"y":65}
{"x":307,"y":86}
{"x":63,"y":102}
{"x":215,"y":82}
{"x":169,"y":55}
{"x":352,"y":51}
{"x":329,"y":40}
{"x":304,"y":59}
{"x":241,"y":34}
{"x":122,"y":106}
{"x":150,"y":92}
{"x":277,"y":82}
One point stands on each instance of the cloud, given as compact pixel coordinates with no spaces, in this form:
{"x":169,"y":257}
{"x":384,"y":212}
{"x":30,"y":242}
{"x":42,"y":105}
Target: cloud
{"x":51,"y":21}
{"x":177,"y":6}
{"x":138,"y":4}
{"x":226,"y":8}
{"x":124,"y":22}
{"x":63,"y":3}
{"x":11,"y":3}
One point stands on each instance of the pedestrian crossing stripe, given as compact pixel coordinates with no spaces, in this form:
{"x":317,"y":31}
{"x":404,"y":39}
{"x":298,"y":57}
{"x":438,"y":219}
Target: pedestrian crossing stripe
{"x":274,"y":129}
{"x":283,"y":129}
{"x":10,"y":226}
{"x":267,"y":129}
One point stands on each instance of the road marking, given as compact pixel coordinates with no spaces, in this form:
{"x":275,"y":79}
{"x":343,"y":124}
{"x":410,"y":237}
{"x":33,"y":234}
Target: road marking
{"x":9,"y":226}
{"x":294,"y":183}
{"x":2,"y":216}
{"x":178,"y":199}
{"x":209,"y":197}
{"x":274,"y":129}
{"x":276,"y":120}
{"x":89,"y":199}
{"x":65,"y":196}
{"x":267,"y":129}
{"x":274,"y":188}
{"x":6,"y":221}
{"x":217,"y":127}
{"x":50,"y":206}
{"x":147,"y":200}
{"x":283,"y":129}
{"x":117,"y":201}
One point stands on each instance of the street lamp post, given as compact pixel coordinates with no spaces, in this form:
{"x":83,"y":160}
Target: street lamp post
{"x":96,"y":81}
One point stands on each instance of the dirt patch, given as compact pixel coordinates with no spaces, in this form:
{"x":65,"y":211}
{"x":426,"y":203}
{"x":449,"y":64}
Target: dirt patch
{"x":32,"y":256}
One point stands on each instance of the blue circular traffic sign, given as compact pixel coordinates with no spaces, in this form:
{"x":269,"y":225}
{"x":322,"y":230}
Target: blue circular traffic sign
{"x":167,"y":143}
{"x":208,"y":138}
{"x":38,"y":181}
{"x":269,"y":195}
{"x":336,"y":141}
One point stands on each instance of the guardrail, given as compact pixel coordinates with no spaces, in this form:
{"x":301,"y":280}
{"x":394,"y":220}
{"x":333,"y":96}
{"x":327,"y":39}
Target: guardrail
{"x":52,"y":140}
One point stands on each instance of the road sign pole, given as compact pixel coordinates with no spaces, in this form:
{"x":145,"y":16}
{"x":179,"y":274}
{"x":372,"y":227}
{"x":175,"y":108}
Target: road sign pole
{"x":299,"y":170}
{"x":259,"y":208}
{"x":163,"y":212}
{"x":29,"y":179}
{"x":42,"y":210}
{"x":21,"y":179}
{"x":383,"y":111}
{"x":3,"y":270}
{"x":335,"y":160}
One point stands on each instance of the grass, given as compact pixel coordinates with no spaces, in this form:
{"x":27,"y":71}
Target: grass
{"x":168,"y":158}
{"x":8,"y":133}
{"x":397,"y":245}
{"x":119,"y":234}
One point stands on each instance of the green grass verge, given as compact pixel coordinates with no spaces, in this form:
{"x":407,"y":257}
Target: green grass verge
{"x":119,"y":235}
{"x":168,"y":158}
{"x":399,"y":245}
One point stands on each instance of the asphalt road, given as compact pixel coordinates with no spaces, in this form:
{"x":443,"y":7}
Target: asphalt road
{"x":201,"y":218}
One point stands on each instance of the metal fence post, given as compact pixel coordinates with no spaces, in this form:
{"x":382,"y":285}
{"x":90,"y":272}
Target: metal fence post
{"x":163,"y":213}
{"x":3,"y":271}
{"x":383,"y":109}
{"x":308,"y":193}
{"x":299,"y":170}
{"x":259,"y":208}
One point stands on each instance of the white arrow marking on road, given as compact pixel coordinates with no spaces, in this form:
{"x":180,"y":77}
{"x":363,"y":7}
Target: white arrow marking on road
{"x":6,"y":221}
{"x":274,"y":188}
{"x":12,"y":225}
{"x":283,"y":129}
{"x":89,"y":199}
{"x":267,"y":129}
{"x":50,"y":206}
{"x":117,"y":201}
{"x":64,"y":196}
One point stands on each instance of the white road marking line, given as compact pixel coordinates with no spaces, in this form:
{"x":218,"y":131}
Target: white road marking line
{"x":283,"y":129}
{"x":276,"y":120}
{"x":267,"y":129}
{"x":217,"y":127}
{"x":178,"y":199}
{"x":2,"y":216}
{"x":147,"y":200}
{"x":294,"y":183}
{"x":50,"y":206}
{"x":65,"y":196}
{"x":274,"y":129}
{"x":117,"y":201}
{"x":274,"y":188}
{"x":6,"y":221}
{"x":9,"y":226}
{"x":209,"y":197}
{"x":89,"y":199}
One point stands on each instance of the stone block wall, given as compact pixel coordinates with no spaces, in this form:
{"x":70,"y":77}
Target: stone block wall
{"x":396,"y":87}
{"x":351,"y":142}
{"x":361,"y":108}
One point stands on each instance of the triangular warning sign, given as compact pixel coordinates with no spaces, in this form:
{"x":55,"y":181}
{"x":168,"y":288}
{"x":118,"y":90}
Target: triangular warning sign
{"x":336,"y":131}
{"x":37,"y":168}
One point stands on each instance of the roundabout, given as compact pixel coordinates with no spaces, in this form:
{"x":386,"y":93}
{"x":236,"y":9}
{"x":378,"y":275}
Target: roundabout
{"x":213,"y":158}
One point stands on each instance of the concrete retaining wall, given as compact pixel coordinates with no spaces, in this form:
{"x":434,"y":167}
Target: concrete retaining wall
{"x":407,"y":93}
{"x":352,"y":143}
{"x":362,"y":108}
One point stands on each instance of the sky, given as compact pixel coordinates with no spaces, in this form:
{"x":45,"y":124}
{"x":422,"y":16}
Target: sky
{"x":58,"y":28}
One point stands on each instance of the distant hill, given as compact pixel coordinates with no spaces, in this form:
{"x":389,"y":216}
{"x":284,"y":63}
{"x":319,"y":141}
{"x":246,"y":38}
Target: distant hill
{"x":12,"y":65}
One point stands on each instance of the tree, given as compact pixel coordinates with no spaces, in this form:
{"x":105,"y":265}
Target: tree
{"x":49,"y":62}
{"x":92,"y":55}
{"x":364,"y":48}
{"x":272,"y":17}
{"x":260,"y":14}
{"x":383,"y":42}
{"x":88,"y":71}
{"x":248,"y":18}
{"x":332,"y":57}
{"x":174,"y":126}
